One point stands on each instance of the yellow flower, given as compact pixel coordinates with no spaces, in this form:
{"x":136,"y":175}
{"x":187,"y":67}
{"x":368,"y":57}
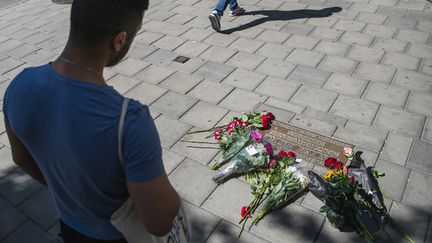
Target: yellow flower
{"x":339,"y":172}
{"x":329,"y":175}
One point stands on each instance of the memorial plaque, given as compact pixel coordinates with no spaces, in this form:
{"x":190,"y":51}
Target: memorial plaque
{"x":309,"y":146}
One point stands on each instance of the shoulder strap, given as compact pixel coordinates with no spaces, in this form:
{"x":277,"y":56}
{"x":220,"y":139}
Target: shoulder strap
{"x":120,"y":130}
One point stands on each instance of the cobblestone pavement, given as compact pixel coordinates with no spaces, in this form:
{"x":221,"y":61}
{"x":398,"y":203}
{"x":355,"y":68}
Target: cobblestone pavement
{"x":363,"y":75}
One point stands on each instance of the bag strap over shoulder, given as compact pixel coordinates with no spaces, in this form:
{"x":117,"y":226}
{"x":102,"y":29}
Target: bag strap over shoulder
{"x":120,"y":130}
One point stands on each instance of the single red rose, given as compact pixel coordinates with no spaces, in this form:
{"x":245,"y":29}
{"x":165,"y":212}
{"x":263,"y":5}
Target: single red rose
{"x":272,"y":162}
{"x":329,"y":162}
{"x":264,"y":118}
{"x":265,"y":124}
{"x":269,"y":149}
{"x":270,"y":116}
{"x":282,"y":154}
{"x":244,"y":211}
{"x":338,"y":165}
{"x":291,"y":154}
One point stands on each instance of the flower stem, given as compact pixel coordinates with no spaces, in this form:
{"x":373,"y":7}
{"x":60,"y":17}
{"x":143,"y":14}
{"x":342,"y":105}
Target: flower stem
{"x":206,"y":130}
{"x":203,"y":142}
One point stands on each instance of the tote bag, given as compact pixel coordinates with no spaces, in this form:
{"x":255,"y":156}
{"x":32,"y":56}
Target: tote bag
{"x":127,"y":220}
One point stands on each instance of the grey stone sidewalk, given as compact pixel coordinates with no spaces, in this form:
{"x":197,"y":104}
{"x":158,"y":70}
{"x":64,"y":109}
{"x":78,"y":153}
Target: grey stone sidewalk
{"x":362,"y":75}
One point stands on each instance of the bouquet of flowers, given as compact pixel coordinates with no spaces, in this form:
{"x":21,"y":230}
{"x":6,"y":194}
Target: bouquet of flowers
{"x":352,"y":196}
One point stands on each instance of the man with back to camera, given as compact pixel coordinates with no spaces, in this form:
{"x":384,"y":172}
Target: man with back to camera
{"x":62,"y":121}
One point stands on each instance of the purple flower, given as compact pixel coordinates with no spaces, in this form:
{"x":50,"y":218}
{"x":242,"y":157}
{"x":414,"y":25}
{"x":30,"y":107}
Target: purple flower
{"x":257,"y":136}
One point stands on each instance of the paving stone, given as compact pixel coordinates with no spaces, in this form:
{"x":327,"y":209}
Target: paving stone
{"x":39,"y":57}
{"x":22,"y":51}
{"x":397,"y":148}
{"x":272,"y":50}
{"x":275,"y":67}
{"x":420,"y":50}
{"x":345,"y":84}
{"x":424,"y":25}
{"x":242,"y":101}
{"x":420,"y":156}
{"x":390,"y":45}
{"x":285,"y":105}
{"x":406,"y":216}
{"x":204,"y":115}
{"x":202,"y":222}
{"x":169,"y":42}
{"x":8,"y":64}
{"x":10,"y":218}
{"x":413,"y":80}
{"x":10,"y":44}
{"x":355,"y":109}
{"x":160,"y":15}
{"x":174,"y":104}
{"x":273,"y":36}
{"x":322,"y":22}
{"x":191,"y":48}
{"x":197,"y":188}
{"x":139,"y":51}
{"x":246,"y":45}
{"x":6,"y":163}
{"x":324,"y":116}
{"x":210,"y":92}
{"x":371,"y":18}
{"x":218,"y":54}
{"x":310,"y":76}
{"x":148,"y":37}
{"x":220,"y":39}
{"x":375,"y":72}
{"x":400,"y":121}
{"x":298,"y":29}
{"x":129,"y":66}
{"x":355,"y":38}
{"x":365,"y":54}
{"x":379,"y":30}
{"x":420,"y":103}
{"x":200,"y":22}
{"x":171,"y":160}
{"x":29,"y":232}
{"x":160,"y":57}
{"x":180,"y":19}
{"x":214,"y":71}
{"x":40,"y":208}
{"x":245,"y":60}
{"x":4,"y":140}
{"x":196,"y":34}
{"x":359,"y":138}
{"x":277,"y":88}
{"x":364,"y":7}
{"x":314,"y":98}
{"x":326,"y":33}
{"x":386,"y":95}
{"x":417,"y":192}
{"x":154,"y":74}
{"x":332,"y":47}
{"x":427,"y":136}
{"x":401,"y":23}
{"x":244,"y":79}
{"x":228,"y":232}
{"x":370,"y":157}
{"x":313,"y":124}
{"x":53,"y":43}
{"x":349,"y":25}
{"x":228,"y":199}
{"x":426,"y":66}
{"x":413,"y":36}
{"x":338,"y":64}
{"x":299,"y":41}
{"x":170,"y":130}
{"x":393,"y":184}
{"x":280,"y":114}
{"x":18,"y":186}
{"x":180,"y":82}
{"x":189,"y":67}
{"x":330,"y":234}
{"x":146,"y":93}
{"x":123,"y":83}
{"x":291,"y":224}
{"x":346,"y":14}
{"x":366,"y":129}
{"x":305,"y":57}
{"x":416,"y":5}
{"x":312,"y":202}
{"x":14,"y":72}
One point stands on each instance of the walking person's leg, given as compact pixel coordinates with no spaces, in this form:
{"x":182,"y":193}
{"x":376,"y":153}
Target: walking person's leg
{"x":220,"y":7}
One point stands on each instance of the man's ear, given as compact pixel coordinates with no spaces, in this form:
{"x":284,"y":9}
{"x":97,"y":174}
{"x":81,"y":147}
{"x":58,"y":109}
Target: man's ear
{"x":119,"y":40}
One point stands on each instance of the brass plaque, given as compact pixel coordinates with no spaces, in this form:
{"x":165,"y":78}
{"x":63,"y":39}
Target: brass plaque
{"x":309,"y":146}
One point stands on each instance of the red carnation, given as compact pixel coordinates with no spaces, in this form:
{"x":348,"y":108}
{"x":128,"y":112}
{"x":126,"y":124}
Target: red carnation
{"x":245,"y":210}
{"x":272,"y":162}
{"x":329,"y":162}
{"x":265,"y":124}
{"x":291,"y":154}
{"x":270,"y":116}
{"x":264,"y":118}
{"x":282,"y":154}
{"x":338,"y":165}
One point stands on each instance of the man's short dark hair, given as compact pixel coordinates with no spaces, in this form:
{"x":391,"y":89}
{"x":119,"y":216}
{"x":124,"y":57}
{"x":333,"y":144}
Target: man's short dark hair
{"x":96,"y":21}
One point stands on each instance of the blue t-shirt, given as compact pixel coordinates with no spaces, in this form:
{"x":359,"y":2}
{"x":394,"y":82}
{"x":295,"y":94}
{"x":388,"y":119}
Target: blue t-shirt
{"x":70,"y":128}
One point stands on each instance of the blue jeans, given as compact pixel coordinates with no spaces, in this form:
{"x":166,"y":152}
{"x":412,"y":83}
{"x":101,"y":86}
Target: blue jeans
{"x":222,"y":5}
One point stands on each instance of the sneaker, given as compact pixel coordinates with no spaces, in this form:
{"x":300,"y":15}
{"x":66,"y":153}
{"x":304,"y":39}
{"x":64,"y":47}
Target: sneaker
{"x":238,"y":11}
{"x":215,"y":20}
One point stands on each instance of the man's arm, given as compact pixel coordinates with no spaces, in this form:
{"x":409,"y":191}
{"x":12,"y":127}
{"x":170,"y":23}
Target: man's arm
{"x":22,"y":157}
{"x":157,"y":203}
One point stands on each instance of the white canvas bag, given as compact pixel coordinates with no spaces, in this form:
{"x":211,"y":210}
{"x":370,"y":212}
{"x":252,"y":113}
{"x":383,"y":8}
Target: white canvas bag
{"x":127,"y":220}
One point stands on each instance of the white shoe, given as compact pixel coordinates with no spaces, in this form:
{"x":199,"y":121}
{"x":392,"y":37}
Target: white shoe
{"x":238,"y":11}
{"x":214,"y":18}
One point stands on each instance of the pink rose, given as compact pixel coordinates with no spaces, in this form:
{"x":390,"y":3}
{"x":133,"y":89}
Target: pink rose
{"x":348,"y":151}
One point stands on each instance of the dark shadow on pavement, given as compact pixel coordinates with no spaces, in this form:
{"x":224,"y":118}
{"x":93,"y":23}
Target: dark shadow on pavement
{"x":273,"y":15}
